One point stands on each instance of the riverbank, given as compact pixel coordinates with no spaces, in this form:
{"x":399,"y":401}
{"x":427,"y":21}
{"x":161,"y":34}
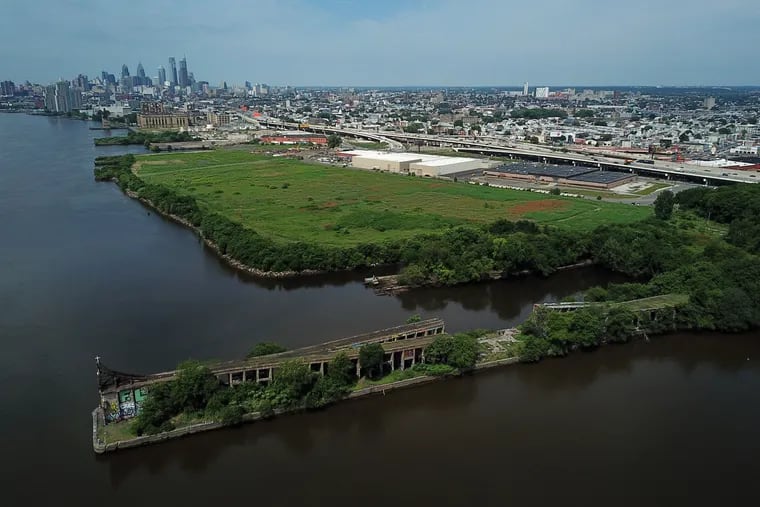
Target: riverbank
{"x":503,"y":248}
{"x":228,"y":259}
{"x":101,"y":446}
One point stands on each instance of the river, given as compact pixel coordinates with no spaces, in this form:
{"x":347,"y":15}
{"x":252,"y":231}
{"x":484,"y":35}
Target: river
{"x":87,"y":271}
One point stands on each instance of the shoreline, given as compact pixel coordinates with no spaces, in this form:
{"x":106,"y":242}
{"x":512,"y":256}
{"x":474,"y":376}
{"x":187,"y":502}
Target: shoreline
{"x":390,"y":289}
{"x":231,"y":261}
{"x":102,"y":447}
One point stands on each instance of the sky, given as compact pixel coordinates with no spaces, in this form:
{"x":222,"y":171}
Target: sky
{"x":390,"y":42}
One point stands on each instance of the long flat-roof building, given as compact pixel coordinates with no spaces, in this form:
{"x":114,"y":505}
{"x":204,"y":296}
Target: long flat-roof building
{"x":572,"y":176}
{"x":419,"y":164}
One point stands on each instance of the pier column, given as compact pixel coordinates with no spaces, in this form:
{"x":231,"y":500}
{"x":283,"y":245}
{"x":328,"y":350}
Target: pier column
{"x":358,"y":369}
{"x":230,"y":377}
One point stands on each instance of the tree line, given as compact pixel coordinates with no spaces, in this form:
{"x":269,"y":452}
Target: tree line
{"x":460,"y":254}
{"x":735,"y":205}
{"x":720,"y":276}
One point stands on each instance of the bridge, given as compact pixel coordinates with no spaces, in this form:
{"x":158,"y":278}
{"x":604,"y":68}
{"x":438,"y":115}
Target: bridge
{"x":658,"y":168}
{"x":404,"y":346}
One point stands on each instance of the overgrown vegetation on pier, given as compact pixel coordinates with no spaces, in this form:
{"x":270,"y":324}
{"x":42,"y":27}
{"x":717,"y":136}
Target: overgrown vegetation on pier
{"x":719,"y":276}
{"x":196,"y":394}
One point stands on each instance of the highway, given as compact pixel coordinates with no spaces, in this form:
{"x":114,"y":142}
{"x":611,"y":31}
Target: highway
{"x":663,"y":169}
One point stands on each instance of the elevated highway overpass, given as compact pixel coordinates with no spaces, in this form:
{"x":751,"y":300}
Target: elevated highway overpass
{"x":661,"y":169}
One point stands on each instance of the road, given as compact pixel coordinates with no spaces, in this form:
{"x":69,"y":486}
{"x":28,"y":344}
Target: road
{"x":679,"y":171}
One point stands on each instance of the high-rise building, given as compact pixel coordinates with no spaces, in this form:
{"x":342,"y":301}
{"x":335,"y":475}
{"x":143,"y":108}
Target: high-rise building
{"x":81,"y":82}
{"x":140,"y":78}
{"x":173,"y":71}
{"x":161,"y":75}
{"x":7,"y":88}
{"x":124,"y":71}
{"x":542,"y":92}
{"x":183,"y":77}
{"x":107,"y":78}
{"x":525,"y":89}
{"x":60,"y":98}
{"x":709,"y":103}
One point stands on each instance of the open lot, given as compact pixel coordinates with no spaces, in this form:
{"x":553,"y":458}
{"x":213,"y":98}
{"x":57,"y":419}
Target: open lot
{"x":289,"y":200}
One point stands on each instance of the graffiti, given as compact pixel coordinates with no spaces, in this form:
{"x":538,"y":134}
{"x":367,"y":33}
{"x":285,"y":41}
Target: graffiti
{"x":125,"y":405}
{"x":111,"y":411}
{"x":127,"y":410}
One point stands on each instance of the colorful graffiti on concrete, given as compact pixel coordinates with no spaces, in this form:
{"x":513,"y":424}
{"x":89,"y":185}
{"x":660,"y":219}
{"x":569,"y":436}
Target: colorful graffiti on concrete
{"x":126,"y":405}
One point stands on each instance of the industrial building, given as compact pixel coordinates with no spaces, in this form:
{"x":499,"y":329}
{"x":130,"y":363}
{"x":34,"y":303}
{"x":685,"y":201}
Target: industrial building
{"x":294,"y":137}
{"x":569,"y":176}
{"x":155,"y":115}
{"x":418,"y":164}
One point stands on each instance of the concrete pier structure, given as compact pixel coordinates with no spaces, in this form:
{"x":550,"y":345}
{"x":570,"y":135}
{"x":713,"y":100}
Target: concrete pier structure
{"x":121,"y":393}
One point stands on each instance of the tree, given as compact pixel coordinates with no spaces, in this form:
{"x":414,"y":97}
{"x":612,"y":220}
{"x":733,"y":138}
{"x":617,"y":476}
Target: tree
{"x":194,"y":386}
{"x":620,"y":324}
{"x":459,"y":351}
{"x":292,"y":381}
{"x":334,"y":141}
{"x":414,"y":318}
{"x":265,"y":349}
{"x":663,"y":205}
{"x":371,"y":358}
{"x":342,"y":370}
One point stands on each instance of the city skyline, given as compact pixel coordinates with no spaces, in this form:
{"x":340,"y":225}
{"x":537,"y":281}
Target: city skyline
{"x":339,"y":43}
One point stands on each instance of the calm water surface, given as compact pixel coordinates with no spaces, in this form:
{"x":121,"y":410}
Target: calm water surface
{"x":86,"y":271}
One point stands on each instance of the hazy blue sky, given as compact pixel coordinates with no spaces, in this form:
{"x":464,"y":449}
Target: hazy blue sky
{"x":390,"y":42}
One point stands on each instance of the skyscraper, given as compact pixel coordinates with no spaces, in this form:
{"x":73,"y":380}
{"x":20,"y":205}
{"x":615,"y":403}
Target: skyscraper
{"x":173,"y":70}
{"x":525,"y":89}
{"x":124,"y":70}
{"x":183,"y":78}
{"x":161,"y":75}
{"x":7,"y":88}
{"x":139,"y":78}
{"x":60,"y":98}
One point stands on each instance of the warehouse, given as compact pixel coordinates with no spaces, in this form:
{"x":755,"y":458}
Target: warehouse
{"x":419,"y":164}
{"x":294,"y":137}
{"x":447,"y":166}
{"x":382,"y":161}
{"x":574,"y":176}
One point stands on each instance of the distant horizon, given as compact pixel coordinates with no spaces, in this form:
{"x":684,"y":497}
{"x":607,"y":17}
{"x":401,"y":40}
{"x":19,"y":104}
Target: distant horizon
{"x":217,"y":83}
{"x":667,"y":44}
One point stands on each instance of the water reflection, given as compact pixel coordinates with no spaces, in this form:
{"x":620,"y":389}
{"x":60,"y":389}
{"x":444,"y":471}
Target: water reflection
{"x":348,"y":424}
{"x":510,"y":298}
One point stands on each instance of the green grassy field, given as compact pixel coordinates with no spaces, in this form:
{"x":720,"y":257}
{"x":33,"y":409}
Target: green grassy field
{"x":289,"y":200}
